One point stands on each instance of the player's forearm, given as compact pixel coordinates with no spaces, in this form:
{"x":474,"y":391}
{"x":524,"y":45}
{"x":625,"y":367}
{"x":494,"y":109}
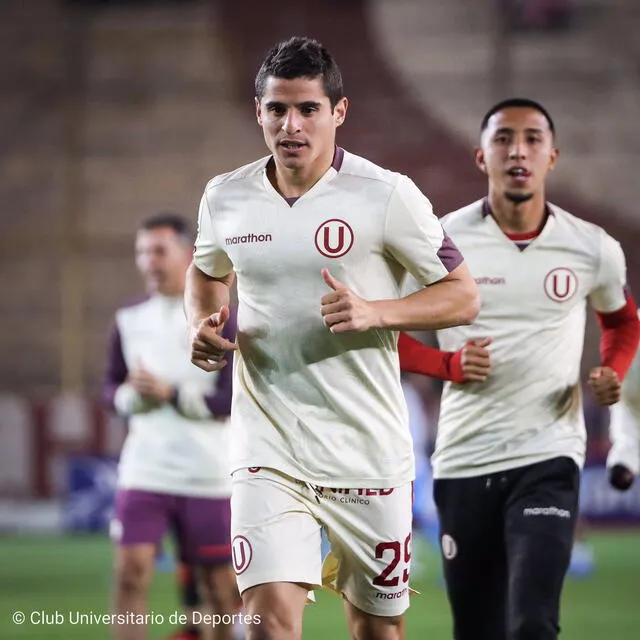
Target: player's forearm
{"x":450,"y":302}
{"x":620,"y":336}
{"x":204,"y":295}
{"x":624,"y":433}
{"x":128,"y":402}
{"x":416,"y":357}
{"x":624,"y":426}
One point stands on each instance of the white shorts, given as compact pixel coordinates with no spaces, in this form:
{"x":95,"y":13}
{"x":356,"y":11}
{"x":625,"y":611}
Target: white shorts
{"x":276,"y":535}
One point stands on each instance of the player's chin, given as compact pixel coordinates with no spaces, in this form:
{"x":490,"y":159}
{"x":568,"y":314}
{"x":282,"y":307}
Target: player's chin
{"x":292,"y":159}
{"x":517,"y":194}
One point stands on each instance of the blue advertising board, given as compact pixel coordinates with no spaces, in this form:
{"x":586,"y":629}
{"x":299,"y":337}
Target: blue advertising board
{"x":91,"y":486}
{"x":601,"y":503}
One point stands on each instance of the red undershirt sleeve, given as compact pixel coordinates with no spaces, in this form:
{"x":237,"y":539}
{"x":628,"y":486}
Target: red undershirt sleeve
{"x":416,"y":357}
{"x":619,"y":339}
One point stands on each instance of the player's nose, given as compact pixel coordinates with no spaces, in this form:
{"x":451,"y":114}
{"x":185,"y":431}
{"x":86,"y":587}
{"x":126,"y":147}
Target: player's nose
{"x":517,"y":150}
{"x":291,"y":122}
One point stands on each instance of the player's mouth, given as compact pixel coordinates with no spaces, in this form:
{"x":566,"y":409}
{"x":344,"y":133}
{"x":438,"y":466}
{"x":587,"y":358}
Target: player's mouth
{"x":156,"y":277}
{"x":292,"y":146}
{"x":519,"y":175}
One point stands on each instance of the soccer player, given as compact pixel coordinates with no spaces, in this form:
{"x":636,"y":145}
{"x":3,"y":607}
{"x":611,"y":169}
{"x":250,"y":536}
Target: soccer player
{"x":623,"y":461}
{"x":320,"y":240}
{"x":174,"y":468}
{"x":509,"y":450}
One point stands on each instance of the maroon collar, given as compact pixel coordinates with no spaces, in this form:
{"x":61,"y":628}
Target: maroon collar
{"x":338,"y":157}
{"x":336,"y":163}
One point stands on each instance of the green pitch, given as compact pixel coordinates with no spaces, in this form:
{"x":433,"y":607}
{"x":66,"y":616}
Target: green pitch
{"x":46,"y":575}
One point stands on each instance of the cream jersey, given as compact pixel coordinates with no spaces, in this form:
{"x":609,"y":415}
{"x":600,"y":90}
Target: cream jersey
{"x":320,"y":407}
{"x":533,"y":305}
{"x":624,"y":429}
{"x":179,"y":447}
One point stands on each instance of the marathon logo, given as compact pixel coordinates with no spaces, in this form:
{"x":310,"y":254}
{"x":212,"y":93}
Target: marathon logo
{"x":392,"y":596}
{"x":487,"y":280}
{"x":547,"y":511}
{"x":249,"y":238}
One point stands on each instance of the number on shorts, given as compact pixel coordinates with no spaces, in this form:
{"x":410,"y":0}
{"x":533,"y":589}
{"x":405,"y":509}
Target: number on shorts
{"x":383,"y":579}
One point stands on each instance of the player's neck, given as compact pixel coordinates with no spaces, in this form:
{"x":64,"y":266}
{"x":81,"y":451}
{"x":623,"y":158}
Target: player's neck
{"x":293,"y":183}
{"x":171,"y":293}
{"x":518,"y":217}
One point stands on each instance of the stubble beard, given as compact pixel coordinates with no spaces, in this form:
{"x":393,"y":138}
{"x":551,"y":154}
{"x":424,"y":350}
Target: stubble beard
{"x":518,"y":198}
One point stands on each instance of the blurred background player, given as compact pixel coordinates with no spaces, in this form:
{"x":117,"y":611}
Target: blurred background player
{"x":509,"y":450}
{"x":173,"y":474}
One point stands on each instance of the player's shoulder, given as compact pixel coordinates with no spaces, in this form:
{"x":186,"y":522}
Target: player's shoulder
{"x":359,"y":167}
{"x":246,"y":172}
{"x":579,"y":230}
{"x":463,"y":218}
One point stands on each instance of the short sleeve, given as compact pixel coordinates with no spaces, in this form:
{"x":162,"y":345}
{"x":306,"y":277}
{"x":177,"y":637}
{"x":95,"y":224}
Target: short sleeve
{"x":208,"y":254}
{"x":414,"y":236}
{"x":608,"y":295}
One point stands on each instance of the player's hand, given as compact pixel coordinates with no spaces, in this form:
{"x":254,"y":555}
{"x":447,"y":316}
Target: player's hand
{"x":149,"y":386}
{"x":342,"y":310}
{"x":620,"y":477}
{"x":208,"y":346}
{"x":476,"y":360}
{"x":605,"y":385}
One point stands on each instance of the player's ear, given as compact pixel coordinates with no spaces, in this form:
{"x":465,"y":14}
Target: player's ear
{"x":480,"y":161}
{"x":555,"y":152}
{"x":340,"y":111}
{"x":258,"y":111}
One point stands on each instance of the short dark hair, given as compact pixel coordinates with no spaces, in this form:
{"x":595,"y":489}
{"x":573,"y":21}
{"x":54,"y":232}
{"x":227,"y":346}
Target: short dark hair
{"x":517,"y":103}
{"x":301,"y":57}
{"x":168,"y":219}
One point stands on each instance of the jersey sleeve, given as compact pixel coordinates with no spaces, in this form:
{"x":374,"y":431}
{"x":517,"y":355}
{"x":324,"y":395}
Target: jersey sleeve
{"x":208,"y":253}
{"x":414,"y":236}
{"x":608,"y":295}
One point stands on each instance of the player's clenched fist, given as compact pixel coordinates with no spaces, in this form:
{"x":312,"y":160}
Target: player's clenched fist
{"x":208,"y":346}
{"x":342,"y":310}
{"x":605,"y":385}
{"x":620,"y":477}
{"x":476,"y":360}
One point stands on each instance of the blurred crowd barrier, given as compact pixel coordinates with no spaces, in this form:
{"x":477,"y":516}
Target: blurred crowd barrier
{"x":60,"y":453}
{"x":38,"y":437}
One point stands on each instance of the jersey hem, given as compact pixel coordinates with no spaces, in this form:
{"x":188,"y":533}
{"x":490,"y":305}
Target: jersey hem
{"x":497,"y":467}
{"x":212,"y":490}
{"x":331,"y":483}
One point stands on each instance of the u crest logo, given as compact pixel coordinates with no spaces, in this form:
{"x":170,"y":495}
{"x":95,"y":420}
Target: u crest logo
{"x":241,"y":554}
{"x":560,"y":284}
{"x":334,"y":238}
